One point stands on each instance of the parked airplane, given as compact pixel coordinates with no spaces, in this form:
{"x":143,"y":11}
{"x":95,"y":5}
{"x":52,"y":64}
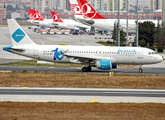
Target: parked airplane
{"x":67,"y":23}
{"x":38,"y":19}
{"x":104,"y":58}
{"x":86,"y":14}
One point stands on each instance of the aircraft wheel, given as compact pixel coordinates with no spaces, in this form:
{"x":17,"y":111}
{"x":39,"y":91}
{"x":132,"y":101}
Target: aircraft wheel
{"x":84,"y":69}
{"x":89,"y":68}
{"x":140,"y":70}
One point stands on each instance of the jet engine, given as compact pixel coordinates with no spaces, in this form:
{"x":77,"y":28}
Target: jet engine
{"x":105,"y":65}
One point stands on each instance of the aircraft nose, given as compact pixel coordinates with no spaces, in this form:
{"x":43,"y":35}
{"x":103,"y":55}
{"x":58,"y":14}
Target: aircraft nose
{"x":160,"y":58}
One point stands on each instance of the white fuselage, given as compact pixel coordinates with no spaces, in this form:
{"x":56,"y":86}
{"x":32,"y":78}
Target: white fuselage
{"x":66,"y":24}
{"x":108,"y":24}
{"x":117,"y":55}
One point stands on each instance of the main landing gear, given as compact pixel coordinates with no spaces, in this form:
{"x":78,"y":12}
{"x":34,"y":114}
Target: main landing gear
{"x":87,"y":69}
{"x":140,"y":69}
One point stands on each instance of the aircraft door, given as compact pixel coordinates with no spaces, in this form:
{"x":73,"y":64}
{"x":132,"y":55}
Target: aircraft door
{"x":35,"y":52}
{"x":140,"y":54}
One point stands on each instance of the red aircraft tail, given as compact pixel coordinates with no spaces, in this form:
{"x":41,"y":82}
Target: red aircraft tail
{"x":88,"y":11}
{"x":55,"y":17}
{"x":35,"y":15}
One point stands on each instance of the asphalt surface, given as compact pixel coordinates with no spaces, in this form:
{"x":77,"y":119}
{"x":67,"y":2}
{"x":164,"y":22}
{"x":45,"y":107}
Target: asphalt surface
{"x":86,"y":95}
{"x":147,"y":71}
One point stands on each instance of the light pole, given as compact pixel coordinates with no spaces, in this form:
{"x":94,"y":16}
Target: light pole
{"x":127,"y":25}
{"x":118,"y":22}
{"x":137,"y":30}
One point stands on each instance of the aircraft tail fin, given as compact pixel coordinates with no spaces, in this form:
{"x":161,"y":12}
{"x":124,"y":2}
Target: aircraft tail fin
{"x":88,"y":11}
{"x":18,"y":36}
{"x":31,"y":13}
{"x":76,"y":9}
{"x":55,"y":17}
{"x":35,"y":15}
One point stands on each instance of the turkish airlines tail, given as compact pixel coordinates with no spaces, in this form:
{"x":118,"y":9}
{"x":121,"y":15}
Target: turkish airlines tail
{"x":31,"y":13}
{"x":55,"y":17}
{"x":35,"y":15}
{"x":88,"y":11}
{"x":76,"y":9}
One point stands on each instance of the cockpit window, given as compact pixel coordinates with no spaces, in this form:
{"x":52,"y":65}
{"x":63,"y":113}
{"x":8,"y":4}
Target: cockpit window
{"x":152,"y":53}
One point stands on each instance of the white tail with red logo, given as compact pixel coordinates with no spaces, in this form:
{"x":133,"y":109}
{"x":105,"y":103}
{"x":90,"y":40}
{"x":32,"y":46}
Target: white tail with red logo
{"x":88,"y":11}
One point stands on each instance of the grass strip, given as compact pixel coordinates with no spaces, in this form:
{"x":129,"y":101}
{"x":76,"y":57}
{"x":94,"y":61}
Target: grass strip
{"x":81,"y":111}
{"x":81,"y":80}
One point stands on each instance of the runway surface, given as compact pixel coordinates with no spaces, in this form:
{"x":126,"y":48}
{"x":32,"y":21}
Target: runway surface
{"x":131,"y":71}
{"x":81,"y":95}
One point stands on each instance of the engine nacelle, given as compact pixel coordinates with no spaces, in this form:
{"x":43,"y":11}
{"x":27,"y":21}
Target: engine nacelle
{"x":104,"y":64}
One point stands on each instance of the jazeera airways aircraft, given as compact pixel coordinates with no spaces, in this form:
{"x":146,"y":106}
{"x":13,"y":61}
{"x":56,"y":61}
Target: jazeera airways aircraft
{"x":86,"y":14}
{"x":104,"y":58}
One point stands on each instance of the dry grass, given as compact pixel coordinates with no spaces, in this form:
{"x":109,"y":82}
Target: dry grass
{"x":80,"y":111}
{"x":81,"y":80}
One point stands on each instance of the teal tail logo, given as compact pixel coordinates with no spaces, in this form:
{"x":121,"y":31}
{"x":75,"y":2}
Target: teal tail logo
{"x":18,"y":35}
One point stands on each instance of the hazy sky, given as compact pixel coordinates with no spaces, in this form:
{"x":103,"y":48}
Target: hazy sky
{"x":141,"y":2}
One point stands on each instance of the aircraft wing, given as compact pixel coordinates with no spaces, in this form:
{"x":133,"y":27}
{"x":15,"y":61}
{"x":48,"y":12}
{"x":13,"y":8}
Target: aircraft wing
{"x":88,"y":59}
{"x":55,"y":24}
{"x":86,"y":22}
{"x":35,"y":22}
{"x":82,"y":27}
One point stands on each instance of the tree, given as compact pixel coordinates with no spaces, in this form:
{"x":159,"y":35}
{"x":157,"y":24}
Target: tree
{"x":115,"y":33}
{"x":10,"y":8}
{"x":160,"y":36}
{"x":160,"y":48}
{"x":147,"y":32}
{"x":122,"y":37}
{"x":142,"y":43}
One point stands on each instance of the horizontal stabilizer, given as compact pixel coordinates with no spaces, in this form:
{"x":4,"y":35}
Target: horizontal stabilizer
{"x":10,"y":48}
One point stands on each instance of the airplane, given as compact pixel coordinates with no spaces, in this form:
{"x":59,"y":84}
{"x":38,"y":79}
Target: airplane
{"x":38,"y":19}
{"x":67,"y":23}
{"x":101,"y":57}
{"x":86,"y":14}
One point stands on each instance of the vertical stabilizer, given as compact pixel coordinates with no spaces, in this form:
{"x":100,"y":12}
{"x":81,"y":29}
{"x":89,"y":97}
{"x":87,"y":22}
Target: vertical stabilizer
{"x":76,"y":9}
{"x":31,"y":13}
{"x":35,"y":15}
{"x":55,"y":17}
{"x":18,"y":36}
{"x":88,"y":11}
